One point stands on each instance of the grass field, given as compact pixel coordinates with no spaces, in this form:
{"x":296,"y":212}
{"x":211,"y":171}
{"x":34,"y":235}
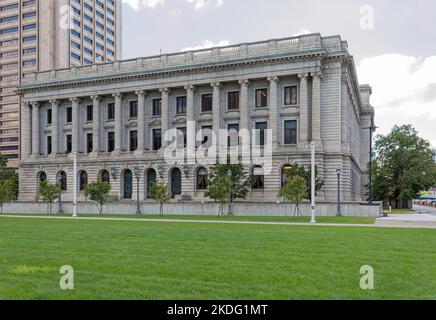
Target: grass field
{"x":165,"y":260}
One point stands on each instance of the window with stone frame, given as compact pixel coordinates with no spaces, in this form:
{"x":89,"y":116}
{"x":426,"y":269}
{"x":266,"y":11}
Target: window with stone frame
{"x":89,"y":113}
{"x":89,"y":143}
{"x":133,"y":109}
{"x":291,"y":95}
{"x":202,"y":177}
{"x":157,"y":107}
{"x":111,"y":111}
{"x":261,"y":127}
{"x":206,"y":103}
{"x":69,"y":115}
{"x":49,"y":116}
{"x":290,"y":128}
{"x":49,"y":145}
{"x":69,"y":143}
{"x":110,"y":141}
{"x":157,"y":139}
{"x":181,"y":105}
{"x":261,"y":98}
{"x":233,"y":100}
{"x":133,"y":137}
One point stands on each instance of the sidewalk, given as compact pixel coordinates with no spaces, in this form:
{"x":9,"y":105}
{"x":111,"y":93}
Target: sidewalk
{"x":408,"y":221}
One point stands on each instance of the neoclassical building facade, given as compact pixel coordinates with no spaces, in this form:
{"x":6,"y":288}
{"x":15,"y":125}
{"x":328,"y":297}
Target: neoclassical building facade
{"x":114,"y":117}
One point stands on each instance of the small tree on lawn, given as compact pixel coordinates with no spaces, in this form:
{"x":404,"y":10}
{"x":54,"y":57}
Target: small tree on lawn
{"x":297,"y":170}
{"x":7,"y":193}
{"x":48,"y":193}
{"x":294,"y":191}
{"x":98,"y":192}
{"x":159,"y":193}
{"x":219,"y":191}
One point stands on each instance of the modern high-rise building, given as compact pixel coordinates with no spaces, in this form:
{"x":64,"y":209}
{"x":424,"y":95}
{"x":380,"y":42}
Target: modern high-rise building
{"x":41,"y":35}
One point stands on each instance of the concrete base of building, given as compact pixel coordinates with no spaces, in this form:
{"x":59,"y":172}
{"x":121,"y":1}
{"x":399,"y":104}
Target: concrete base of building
{"x":350,"y":209}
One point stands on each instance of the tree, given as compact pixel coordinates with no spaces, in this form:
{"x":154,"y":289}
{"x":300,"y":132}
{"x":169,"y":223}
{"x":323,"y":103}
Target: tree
{"x":9,"y":174}
{"x":297,"y":170}
{"x":294,"y":191}
{"x":48,"y":192}
{"x":238,"y":184}
{"x":6,"y":192}
{"x":98,"y":192}
{"x":403,"y":167}
{"x":159,"y":193}
{"x":219,"y":191}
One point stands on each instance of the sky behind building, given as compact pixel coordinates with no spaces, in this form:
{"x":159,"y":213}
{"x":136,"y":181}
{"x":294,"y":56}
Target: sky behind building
{"x":393,"y":41}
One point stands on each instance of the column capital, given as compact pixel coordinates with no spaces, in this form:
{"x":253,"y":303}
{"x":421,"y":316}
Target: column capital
{"x":164,"y":90}
{"x":273,"y":79}
{"x":140,"y":92}
{"x":35,"y":104}
{"x":26,"y":104}
{"x":75,"y":100}
{"x":303,"y":75}
{"x":316,"y":74}
{"x":54,"y":102}
{"x":245,"y":82}
{"x":216,"y":84}
{"x":190,"y":88}
{"x":117,"y":95}
{"x":96,"y":98}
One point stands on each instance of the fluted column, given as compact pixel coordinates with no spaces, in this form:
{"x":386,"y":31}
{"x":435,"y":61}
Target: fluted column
{"x":165,"y":114}
{"x":118,"y":122}
{"x":141,"y":122}
{"x":54,"y":127}
{"x":316,"y":108}
{"x":273,"y":123}
{"x":216,"y":109}
{"x":75,"y":103}
{"x":26,"y":138}
{"x":243,"y":104}
{"x":35,"y":129}
{"x":304,"y":109}
{"x":190,"y":124}
{"x":96,"y":100}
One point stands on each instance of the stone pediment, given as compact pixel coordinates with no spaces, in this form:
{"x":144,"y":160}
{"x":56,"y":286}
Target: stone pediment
{"x":180,"y":120}
{"x":155,"y":122}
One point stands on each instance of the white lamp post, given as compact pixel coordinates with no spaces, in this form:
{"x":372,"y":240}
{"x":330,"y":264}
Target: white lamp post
{"x":75,"y":185}
{"x":312,"y":184}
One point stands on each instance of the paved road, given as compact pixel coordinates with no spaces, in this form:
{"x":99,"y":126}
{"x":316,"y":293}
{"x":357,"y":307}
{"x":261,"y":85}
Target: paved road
{"x":428,"y":210}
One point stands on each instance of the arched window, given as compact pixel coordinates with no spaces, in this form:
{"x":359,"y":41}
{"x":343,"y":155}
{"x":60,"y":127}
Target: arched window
{"x":151,"y":179}
{"x":285,"y":172}
{"x":42,"y":176}
{"x":83,"y":180}
{"x":176,"y":182}
{"x":127,"y":184}
{"x":62,"y":180}
{"x":259,"y":178}
{"x":105,"y":176}
{"x":202,"y":179}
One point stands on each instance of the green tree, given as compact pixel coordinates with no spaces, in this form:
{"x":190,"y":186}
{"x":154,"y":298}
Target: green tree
{"x":239,"y":182}
{"x":294,"y":191}
{"x":297,"y":170}
{"x":219,"y":191}
{"x":403,"y":167}
{"x":9,"y":174}
{"x":159,"y":193}
{"x":98,"y":192}
{"x":48,"y":192}
{"x":6,"y":192}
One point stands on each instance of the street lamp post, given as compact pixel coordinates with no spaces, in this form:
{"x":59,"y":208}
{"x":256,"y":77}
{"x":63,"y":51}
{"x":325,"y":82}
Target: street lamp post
{"x":138,"y":177}
{"x":229,"y":175}
{"x":60,"y":211}
{"x":371,"y":128}
{"x":339,"y":211}
{"x":74,"y":185}
{"x":312,"y":184}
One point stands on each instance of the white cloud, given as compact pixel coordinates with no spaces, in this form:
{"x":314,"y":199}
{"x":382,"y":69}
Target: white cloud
{"x":199,"y":4}
{"x":138,"y":4}
{"x":404,"y":91}
{"x":208,"y":44}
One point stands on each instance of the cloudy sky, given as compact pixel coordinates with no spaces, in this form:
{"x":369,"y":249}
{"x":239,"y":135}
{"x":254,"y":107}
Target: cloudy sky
{"x":393,"y":41}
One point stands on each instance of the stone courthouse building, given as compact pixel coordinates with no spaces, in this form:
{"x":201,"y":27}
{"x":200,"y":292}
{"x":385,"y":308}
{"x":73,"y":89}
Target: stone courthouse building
{"x":114,"y":116}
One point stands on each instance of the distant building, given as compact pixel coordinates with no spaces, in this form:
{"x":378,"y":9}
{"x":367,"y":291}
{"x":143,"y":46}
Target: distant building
{"x":39,"y":35}
{"x":115,"y":117}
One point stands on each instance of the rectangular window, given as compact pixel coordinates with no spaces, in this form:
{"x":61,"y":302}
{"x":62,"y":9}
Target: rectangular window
{"x":291,"y":132}
{"x":206,"y":133}
{"x":49,"y":116}
{"x":181,"y":105}
{"x":89,"y":113}
{"x":89,"y":143}
{"x":291,"y":96}
{"x":261,"y":98}
{"x":49,"y":147}
{"x":233,"y":101}
{"x":133,"y":140}
{"x":110,"y":141}
{"x":69,"y":143}
{"x":111,"y":111}
{"x":233,"y":135}
{"x":133,"y":110}
{"x":206,"y":103}
{"x":157,"y":107}
{"x":69,"y":115}
{"x":262,"y":126}
{"x":181,"y":138}
{"x":157,"y":139}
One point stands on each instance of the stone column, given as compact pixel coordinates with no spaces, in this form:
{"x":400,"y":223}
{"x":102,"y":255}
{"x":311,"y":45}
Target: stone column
{"x":75,"y":104}
{"x":165,"y":114}
{"x":274,"y":115}
{"x":54,"y":127}
{"x":35,"y":129}
{"x":26,"y":138}
{"x":96,"y":100}
{"x":304,"y":109}
{"x":118,"y":122}
{"x":243,"y":104}
{"x":141,"y":122}
{"x":316,"y":108}
{"x":190,"y":123}
{"x":216,"y":109}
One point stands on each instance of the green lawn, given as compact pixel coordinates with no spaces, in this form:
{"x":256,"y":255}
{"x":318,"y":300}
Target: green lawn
{"x":333,"y":219}
{"x":156,"y":260}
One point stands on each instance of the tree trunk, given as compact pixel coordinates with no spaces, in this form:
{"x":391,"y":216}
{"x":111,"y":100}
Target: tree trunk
{"x":161,"y":209}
